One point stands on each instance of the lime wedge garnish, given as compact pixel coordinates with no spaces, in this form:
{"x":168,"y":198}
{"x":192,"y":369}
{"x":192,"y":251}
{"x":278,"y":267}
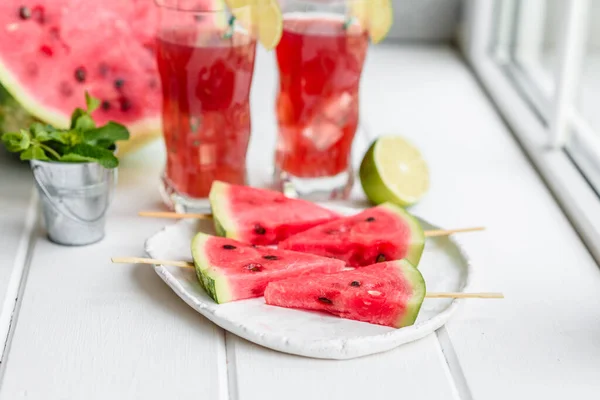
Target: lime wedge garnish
{"x":393,"y":170}
{"x":261,"y":17}
{"x":377,"y":16}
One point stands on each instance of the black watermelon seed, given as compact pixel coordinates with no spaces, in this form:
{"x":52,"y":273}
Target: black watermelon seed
{"x":370,"y":219}
{"x":119,"y":83}
{"x":229,"y":247}
{"x":355,"y":283}
{"x":105,"y":105}
{"x":254,"y":267}
{"x":270,"y":257}
{"x":24,"y":12}
{"x":331,"y":231}
{"x":125,"y":105}
{"x":325,"y":300}
{"x":380,"y":258}
{"x":259,"y":230}
{"x":80,"y":74}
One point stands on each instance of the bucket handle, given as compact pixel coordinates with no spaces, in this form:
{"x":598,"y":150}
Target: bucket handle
{"x":64,"y":207}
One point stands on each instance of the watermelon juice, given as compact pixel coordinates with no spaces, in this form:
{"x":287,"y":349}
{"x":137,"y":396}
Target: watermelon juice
{"x":320,"y":63}
{"x":206,"y":83}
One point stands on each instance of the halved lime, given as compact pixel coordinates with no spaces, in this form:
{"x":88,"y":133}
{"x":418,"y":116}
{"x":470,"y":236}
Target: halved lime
{"x":393,"y":170}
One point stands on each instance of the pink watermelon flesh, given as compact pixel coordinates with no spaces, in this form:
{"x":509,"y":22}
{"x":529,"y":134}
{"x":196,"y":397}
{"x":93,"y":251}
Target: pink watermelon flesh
{"x":51,"y":51}
{"x":261,"y":216}
{"x":230,"y":270}
{"x":381,"y":233}
{"x":388,"y":293}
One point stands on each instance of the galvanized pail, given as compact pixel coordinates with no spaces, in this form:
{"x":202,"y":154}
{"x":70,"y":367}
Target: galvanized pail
{"x":75,"y":198}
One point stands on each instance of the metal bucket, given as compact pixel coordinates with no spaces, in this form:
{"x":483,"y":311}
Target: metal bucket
{"x":75,"y":198}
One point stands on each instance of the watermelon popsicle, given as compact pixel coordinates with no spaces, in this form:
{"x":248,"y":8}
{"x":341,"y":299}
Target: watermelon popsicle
{"x":389,"y":293}
{"x":262,"y":216}
{"x":382,"y":233}
{"x":230,"y":270}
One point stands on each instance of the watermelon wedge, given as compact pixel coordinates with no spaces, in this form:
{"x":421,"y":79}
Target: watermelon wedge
{"x":383,"y":233}
{"x":51,"y":51}
{"x":389,"y":293}
{"x":230,"y":270}
{"x":261,"y":216}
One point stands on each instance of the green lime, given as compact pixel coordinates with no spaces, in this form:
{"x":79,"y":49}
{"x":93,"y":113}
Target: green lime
{"x":393,"y":170}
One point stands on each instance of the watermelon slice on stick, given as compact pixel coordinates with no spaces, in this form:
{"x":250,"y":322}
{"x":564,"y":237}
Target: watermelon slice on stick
{"x":226,"y":273}
{"x":389,"y":293}
{"x":230,"y":270}
{"x":261,"y":216}
{"x":383,"y":233}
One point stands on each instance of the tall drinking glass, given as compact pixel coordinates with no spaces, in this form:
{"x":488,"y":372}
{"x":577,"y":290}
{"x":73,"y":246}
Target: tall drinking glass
{"x":206,"y":63}
{"x":320,"y":58}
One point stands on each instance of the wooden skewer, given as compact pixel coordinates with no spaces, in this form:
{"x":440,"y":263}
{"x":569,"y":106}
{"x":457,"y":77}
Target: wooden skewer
{"x":447,"y":232}
{"x":461,"y":295}
{"x":152,"y":261}
{"x":187,"y":264}
{"x":174,"y":215}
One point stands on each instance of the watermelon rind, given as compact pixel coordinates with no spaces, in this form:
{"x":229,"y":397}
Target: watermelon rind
{"x":213,"y":282}
{"x":219,"y":204}
{"x":411,"y":274}
{"x":417,"y":238}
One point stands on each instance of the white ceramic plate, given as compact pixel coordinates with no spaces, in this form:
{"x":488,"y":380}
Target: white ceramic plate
{"x":444,"y":265}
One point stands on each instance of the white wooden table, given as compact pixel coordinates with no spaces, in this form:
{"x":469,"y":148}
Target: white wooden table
{"x":83,"y":328}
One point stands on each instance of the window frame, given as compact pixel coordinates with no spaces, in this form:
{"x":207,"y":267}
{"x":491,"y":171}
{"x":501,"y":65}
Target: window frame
{"x":542,"y":140}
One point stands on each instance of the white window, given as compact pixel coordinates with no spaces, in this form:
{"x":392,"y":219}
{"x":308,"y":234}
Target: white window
{"x":539,"y":60}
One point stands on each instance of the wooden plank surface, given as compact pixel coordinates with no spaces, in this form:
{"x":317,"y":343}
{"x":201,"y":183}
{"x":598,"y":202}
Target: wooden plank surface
{"x":89,"y":329}
{"x":416,"y":370}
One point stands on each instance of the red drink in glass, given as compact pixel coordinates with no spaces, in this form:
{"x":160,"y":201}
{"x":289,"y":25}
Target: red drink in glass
{"x":206,"y":76}
{"x":320,"y":63}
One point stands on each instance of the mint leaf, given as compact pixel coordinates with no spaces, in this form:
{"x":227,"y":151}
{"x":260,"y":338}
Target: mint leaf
{"x":16,"y":141}
{"x":92,"y":103}
{"x":34,"y":153}
{"x":81,"y":120}
{"x":106,"y":144}
{"x":84,"y":123}
{"x":75,"y":116}
{"x":39,"y":132}
{"x":72,"y":137}
{"x":62,"y":137}
{"x":110,"y":132}
{"x":87,"y":153}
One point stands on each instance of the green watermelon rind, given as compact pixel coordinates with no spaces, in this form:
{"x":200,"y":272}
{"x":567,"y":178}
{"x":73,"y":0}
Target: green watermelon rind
{"x":213,"y":282}
{"x":417,"y":238}
{"x":219,"y":204}
{"x":28,"y":102}
{"x":419,"y":288}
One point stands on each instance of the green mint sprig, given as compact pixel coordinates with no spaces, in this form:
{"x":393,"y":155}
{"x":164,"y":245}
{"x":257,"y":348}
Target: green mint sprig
{"x":82,"y":142}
